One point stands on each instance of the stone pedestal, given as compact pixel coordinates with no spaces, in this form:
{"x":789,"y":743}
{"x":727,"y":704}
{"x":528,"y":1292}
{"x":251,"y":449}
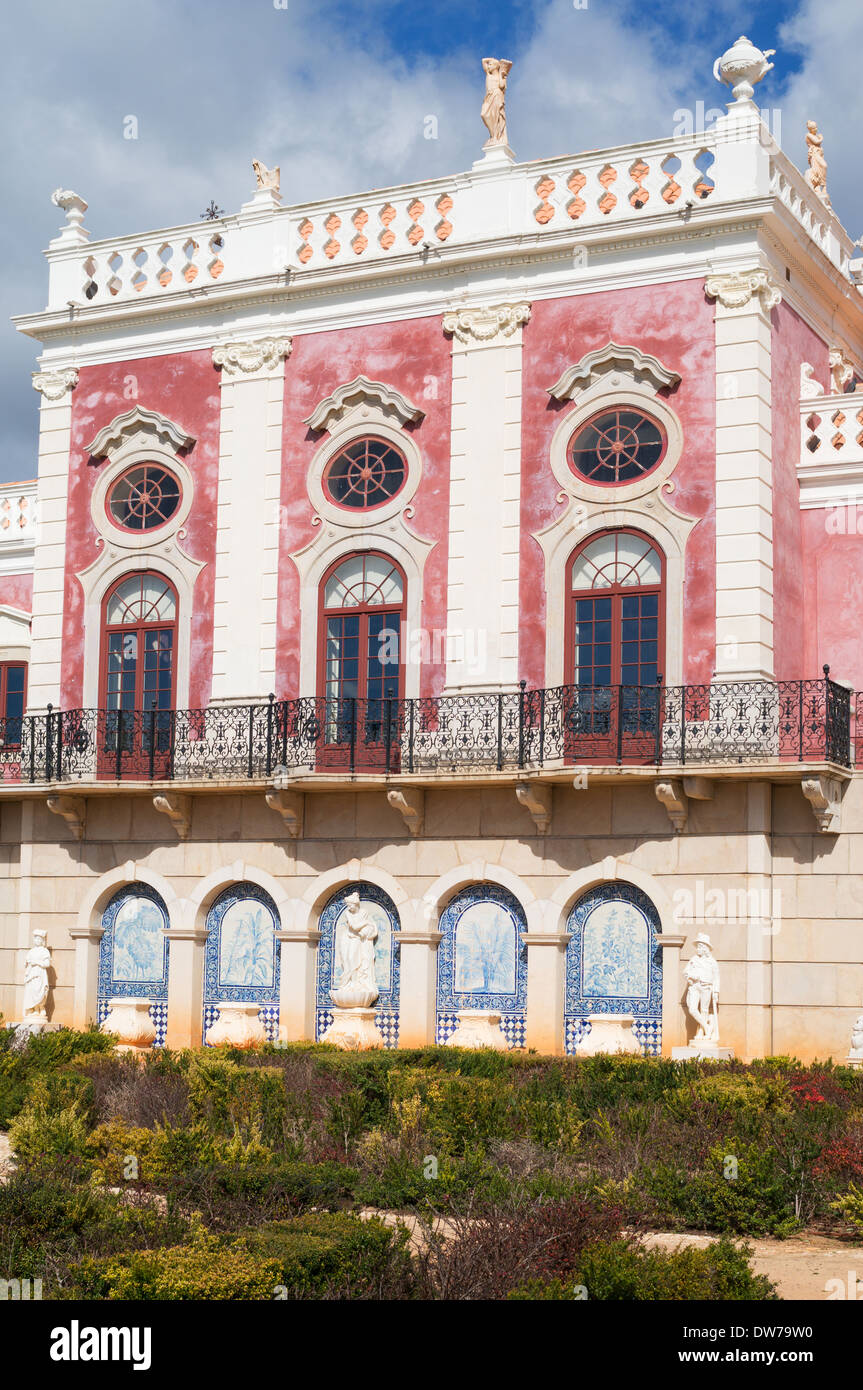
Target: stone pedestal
{"x":238,"y":1025}
{"x":130,"y":1022}
{"x":854,"y":1059}
{"x":610,"y":1033}
{"x":354,"y":1030}
{"x":478,"y":1028}
{"x":707,"y":1051}
{"x":28,"y":1027}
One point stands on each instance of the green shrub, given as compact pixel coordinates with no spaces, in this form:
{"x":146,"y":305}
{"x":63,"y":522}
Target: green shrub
{"x":335,"y":1255}
{"x":207,"y":1269}
{"x":757,"y":1200}
{"x":850,"y":1207}
{"x":49,"y":1218}
{"x":45,"y":1128}
{"x":623,"y":1271}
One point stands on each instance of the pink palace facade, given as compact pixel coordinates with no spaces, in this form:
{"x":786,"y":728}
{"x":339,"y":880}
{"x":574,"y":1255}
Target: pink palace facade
{"x":479,"y":545}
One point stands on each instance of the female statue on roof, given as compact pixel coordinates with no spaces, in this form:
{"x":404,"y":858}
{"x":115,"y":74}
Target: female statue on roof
{"x":494,"y":106}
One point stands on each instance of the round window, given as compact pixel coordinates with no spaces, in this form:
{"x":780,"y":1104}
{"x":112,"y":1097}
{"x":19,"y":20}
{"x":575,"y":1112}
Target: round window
{"x":616,"y":447}
{"x":143,"y":498}
{"x":366,"y":473}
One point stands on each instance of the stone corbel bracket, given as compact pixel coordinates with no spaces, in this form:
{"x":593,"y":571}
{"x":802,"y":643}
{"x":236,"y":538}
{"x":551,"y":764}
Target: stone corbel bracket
{"x":291,"y":807}
{"x":410,"y":804}
{"x":73,"y":809}
{"x":178,"y":809}
{"x":675,"y":794}
{"x":824,"y":795}
{"x":675,"y":801}
{"x":536,"y":799}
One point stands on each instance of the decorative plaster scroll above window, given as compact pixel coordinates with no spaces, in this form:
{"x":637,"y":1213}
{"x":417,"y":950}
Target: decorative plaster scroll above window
{"x":139,"y":421}
{"x":735,"y":289}
{"x":615,"y":378}
{"x":486,"y":322}
{"x":363,"y":396}
{"x":53,"y":385}
{"x":641,"y":367}
{"x":364,"y":409}
{"x":251,"y":355}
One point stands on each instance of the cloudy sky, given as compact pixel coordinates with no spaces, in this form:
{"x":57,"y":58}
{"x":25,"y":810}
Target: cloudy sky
{"x":338,"y":94}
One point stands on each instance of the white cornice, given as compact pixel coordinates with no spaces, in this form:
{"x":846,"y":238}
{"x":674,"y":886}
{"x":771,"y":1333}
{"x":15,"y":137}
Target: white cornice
{"x":642,"y":366}
{"x":138,"y":420}
{"x":362,"y":391}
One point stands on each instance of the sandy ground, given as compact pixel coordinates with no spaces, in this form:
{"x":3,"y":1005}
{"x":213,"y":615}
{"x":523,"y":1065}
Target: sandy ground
{"x":799,"y":1267}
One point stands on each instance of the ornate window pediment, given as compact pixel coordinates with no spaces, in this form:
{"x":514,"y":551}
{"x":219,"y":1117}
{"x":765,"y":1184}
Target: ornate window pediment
{"x":640,"y":368}
{"x":362,"y":393}
{"x":146,"y":424}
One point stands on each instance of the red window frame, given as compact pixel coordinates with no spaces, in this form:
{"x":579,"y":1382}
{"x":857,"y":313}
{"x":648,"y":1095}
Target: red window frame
{"x":7,"y":721}
{"x":163,"y":521}
{"x":140,"y":628}
{"x":374,"y":736}
{"x":352,"y":444}
{"x":616,"y":592}
{"x":617,"y":411}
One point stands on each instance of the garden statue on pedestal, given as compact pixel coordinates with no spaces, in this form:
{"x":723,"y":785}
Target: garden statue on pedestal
{"x":353,"y":1024}
{"x":37,"y":963}
{"x":855,"y":1056}
{"x":702,"y":1002}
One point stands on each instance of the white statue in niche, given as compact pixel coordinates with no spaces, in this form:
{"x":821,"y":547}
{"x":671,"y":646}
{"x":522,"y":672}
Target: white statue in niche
{"x":355,"y":961}
{"x":857,"y":1039}
{"x":36,"y":965}
{"x":702,"y":991}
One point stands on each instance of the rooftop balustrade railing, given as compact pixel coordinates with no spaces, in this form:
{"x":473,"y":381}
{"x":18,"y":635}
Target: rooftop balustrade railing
{"x":724,"y":722}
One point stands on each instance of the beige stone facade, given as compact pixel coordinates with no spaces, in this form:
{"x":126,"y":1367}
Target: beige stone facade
{"x":782,"y":900}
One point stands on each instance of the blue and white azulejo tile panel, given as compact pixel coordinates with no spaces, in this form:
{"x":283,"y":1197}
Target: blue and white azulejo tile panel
{"x":614,"y":963}
{"x":242,"y":956}
{"x":134,"y":953}
{"x":381,"y":909}
{"x":482,"y":960}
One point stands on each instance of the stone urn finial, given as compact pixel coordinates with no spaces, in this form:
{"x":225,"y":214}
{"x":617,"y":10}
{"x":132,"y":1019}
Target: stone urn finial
{"x":741,"y":66}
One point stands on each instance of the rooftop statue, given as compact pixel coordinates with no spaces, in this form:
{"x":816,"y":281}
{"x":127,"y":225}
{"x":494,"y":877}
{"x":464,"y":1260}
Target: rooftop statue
{"x":494,"y":106}
{"x":267,"y":178}
{"x":816,"y":174}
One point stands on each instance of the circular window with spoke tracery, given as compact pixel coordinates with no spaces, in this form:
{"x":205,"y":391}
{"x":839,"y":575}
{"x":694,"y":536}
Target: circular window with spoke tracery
{"x":366,"y":473}
{"x":144,"y":497}
{"x":617,"y":446}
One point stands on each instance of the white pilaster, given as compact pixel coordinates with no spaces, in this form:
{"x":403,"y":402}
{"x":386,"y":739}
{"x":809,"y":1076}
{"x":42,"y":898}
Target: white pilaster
{"x":55,"y":429}
{"x":247,"y":541}
{"x":744,"y":474}
{"x":485,"y":497}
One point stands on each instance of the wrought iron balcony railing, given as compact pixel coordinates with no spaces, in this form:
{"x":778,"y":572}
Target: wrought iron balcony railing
{"x":723,"y":722}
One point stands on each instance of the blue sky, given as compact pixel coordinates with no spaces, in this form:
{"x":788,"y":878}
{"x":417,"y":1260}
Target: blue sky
{"x":338,"y":93}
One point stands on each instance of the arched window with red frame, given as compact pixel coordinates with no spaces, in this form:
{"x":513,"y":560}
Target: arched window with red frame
{"x":615,"y":637}
{"x":360,"y":658}
{"x":139,"y":643}
{"x":138,"y":675}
